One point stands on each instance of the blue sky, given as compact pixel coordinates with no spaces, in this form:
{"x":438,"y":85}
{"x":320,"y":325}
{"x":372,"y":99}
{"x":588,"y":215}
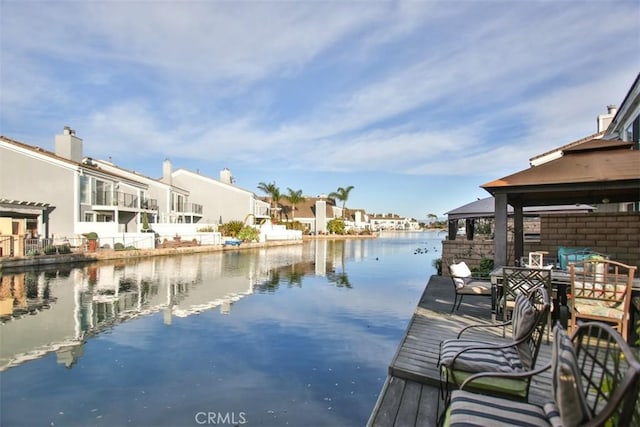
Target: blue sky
{"x":416,"y":104}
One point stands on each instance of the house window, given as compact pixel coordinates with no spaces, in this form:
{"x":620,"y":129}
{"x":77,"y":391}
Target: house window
{"x":88,"y":217}
{"x":104,"y":193}
{"x":104,"y":218}
{"x":85,"y":190}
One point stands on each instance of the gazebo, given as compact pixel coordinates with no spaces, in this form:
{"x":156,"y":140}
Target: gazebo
{"x":596,"y":171}
{"x":485,"y":208}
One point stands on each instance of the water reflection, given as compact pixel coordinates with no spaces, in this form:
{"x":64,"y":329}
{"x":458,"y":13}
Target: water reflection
{"x":57,"y":310}
{"x":298,"y":334}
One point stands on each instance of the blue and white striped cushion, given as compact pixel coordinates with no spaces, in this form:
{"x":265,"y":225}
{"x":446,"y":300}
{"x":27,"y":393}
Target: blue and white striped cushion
{"x":470,"y":409}
{"x":565,"y":381}
{"x":493,"y":360}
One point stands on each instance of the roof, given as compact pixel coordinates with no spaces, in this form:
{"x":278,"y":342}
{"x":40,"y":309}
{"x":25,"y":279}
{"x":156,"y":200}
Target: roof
{"x":485,"y":208}
{"x":604,"y":170}
{"x":83,"y":165}
{"x":307,"y":208}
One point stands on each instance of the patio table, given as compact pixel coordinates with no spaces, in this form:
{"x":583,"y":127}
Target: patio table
{"x":560,"y":282}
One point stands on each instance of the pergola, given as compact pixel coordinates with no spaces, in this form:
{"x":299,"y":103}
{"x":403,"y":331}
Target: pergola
{"x":594,"y":172}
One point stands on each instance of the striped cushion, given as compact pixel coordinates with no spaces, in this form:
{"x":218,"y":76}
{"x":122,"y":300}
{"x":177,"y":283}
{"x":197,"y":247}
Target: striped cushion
{"x":470,"y":409}
{"x":552,"y":414}
{"x":565,"y":381}
{"x":524,"y":319}
{"x":492,"y":360}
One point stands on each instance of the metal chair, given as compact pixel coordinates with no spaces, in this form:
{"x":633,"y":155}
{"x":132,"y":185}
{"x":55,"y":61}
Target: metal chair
{"x":595,"y":382}
{"x":601,"y":290}
{"x":465,"y":284}
{"x":461,"y":358}
{"x":517,"y":280}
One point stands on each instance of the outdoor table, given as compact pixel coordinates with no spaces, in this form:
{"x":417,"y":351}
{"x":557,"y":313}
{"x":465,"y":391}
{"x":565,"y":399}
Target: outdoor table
{"x":560,"y":282}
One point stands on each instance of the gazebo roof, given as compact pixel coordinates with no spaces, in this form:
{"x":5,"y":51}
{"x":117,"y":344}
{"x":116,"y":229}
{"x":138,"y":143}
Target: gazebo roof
{"x":485,"y":208}
{"x":595,"y":171}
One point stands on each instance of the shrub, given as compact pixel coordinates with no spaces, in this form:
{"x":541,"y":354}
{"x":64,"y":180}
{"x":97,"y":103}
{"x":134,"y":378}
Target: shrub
{"x":207,"y":229}
{"x":336,"y":226}
{"x":50,"y":250}
{"x":248,"y":233}
{"x":231,"y":228}
{"x":91,"y":236}
{"x":118,"y":246}
{"x":64,"y":249}
{"x":486,"y":267}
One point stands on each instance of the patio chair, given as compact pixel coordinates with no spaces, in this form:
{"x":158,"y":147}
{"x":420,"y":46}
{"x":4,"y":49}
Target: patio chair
{"x":517,"y":280}
{"x":595,"y":382}
{"x":461,"y":358}
{"x":601,"y":290}
{"x":465,"y":284}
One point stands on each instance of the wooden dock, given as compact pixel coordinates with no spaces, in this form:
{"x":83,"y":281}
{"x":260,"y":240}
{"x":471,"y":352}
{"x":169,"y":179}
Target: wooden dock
{"x":410,"y":395}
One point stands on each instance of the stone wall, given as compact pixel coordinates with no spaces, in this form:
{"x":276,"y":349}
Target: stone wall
{"x":616,"y":234}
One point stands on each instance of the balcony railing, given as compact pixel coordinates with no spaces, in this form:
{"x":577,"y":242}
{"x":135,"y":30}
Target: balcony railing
{"x":151,"y":204}
{"x":188,"y":208}
{"x":119,"y":198}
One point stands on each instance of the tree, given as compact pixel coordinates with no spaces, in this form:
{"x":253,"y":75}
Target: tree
{"x":294,"y":198}
{"x":342,"y":194}
{"x":274,"y":193}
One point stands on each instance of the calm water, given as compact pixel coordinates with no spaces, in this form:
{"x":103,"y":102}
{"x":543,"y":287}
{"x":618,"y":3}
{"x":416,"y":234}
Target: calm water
{"x":296,"y":335}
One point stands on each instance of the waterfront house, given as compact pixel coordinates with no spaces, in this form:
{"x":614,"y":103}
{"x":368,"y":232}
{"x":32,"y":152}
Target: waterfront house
{"x":64,"y":193}
{"x":221,"y":200}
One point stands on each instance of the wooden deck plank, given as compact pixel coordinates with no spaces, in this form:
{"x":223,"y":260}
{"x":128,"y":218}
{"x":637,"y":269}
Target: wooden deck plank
{"x":411,"y":393}
{"x":408,"y":410}
{"x":386,"y":411}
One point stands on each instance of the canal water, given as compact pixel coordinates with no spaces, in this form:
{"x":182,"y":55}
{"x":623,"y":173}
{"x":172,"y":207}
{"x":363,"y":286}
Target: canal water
{"x":295,"y":335}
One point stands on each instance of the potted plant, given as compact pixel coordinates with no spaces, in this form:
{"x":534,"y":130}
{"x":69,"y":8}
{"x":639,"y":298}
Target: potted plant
{"x":437,"y":263}
{"x":92,"y":241}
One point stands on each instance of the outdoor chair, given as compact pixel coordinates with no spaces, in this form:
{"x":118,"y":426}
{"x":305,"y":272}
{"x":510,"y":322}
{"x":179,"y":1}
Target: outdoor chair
{"x":518,"y":280}
{"x":594,"y":382}
{"x":601,"y":290}
{"x":465,"y":284}
{"x":461,"y":358}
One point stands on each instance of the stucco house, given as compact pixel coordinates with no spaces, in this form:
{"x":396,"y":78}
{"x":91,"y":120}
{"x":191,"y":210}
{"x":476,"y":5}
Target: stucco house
{"x":75,"y":194}
{"x":221,"y":200}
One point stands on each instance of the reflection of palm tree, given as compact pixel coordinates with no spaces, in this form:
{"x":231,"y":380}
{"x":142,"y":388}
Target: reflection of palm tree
{"x":295,"y":278}
{"x":341,"y":279}
{"x":272,"y":283}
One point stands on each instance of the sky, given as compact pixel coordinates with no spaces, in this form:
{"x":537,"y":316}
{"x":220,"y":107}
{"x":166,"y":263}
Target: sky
{"x":415,"y":104}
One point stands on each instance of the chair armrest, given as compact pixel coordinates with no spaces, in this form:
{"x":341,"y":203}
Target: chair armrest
{"x":483,"y":325}
{"x":511,"y":375}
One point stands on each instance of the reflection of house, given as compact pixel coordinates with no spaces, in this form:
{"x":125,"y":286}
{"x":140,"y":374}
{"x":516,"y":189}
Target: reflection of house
{"x":85,"y":301}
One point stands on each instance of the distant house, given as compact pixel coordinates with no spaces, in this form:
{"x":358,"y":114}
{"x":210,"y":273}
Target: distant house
{"x":314,"y":212}
{"x":221,"y":200}
{"x":392,"y":222}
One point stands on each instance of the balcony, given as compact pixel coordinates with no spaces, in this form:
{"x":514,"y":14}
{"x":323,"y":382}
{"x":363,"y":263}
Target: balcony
{"x":118,"y":198}
{"x":149,"y":204}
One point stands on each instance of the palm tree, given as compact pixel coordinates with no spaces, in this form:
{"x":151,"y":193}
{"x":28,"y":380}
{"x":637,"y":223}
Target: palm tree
{"x":294,"y":198}
{"x":274,"y":193}
{"x":342,"y":194}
